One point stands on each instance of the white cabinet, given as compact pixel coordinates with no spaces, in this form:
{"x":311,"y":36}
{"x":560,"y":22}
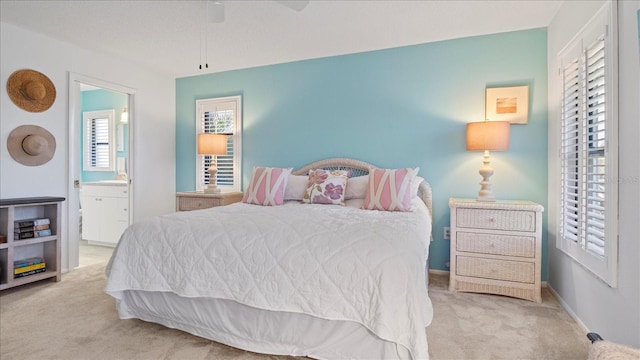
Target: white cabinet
{"x":105,"y":212}
{"x":496,"y":247}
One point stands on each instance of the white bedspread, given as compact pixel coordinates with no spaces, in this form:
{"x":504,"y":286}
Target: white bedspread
{"x":332,"y":262}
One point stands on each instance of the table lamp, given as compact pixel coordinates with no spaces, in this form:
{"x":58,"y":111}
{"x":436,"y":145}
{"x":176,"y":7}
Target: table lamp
{"x":485,"y":136}
{"x":212,"y":144}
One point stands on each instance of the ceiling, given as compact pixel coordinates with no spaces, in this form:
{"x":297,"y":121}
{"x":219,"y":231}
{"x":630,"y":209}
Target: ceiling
{"x":175,"y":38}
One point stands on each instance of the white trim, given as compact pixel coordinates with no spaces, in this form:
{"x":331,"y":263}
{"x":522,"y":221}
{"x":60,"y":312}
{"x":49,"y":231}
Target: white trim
{"x":438,"y":272}
{"x":571,"y":313}
{"x":73,"y":161}
{"x":605,"y":268}
{"x":237,"y":140}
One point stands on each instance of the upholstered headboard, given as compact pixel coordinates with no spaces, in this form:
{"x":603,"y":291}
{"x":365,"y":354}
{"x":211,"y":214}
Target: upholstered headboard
{"x":361,"y":168}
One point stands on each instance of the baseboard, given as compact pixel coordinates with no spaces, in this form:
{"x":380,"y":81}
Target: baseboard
{"x":566,"y":307}
{"x":438,"y":272}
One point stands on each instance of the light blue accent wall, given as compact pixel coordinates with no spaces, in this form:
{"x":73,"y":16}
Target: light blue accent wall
{"x":401,"y":107}
{"x":94,"y":100}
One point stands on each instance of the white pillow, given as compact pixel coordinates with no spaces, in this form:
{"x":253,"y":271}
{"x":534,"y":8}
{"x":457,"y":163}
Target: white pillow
{"x":357,"y":187}
{"x":296,"y":186}
{"x":415,"y":185}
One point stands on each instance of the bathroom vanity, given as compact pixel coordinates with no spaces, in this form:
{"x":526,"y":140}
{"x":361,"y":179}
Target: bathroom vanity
{"x":105,"y":211}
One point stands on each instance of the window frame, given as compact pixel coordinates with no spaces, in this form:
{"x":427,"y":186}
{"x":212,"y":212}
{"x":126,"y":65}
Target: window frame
{"x":233,"y":103}
{"x":89,"y":145}
{"x":577,"y":243}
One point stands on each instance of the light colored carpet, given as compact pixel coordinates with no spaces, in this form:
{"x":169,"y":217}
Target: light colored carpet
{"x":75,"y":319}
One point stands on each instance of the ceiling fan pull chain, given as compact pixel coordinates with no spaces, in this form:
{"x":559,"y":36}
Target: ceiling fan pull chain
{"x":206,"y":47}
{"x":200,"y":67}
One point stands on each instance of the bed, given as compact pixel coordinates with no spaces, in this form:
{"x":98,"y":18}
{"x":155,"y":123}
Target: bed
{"x":301,"y":279}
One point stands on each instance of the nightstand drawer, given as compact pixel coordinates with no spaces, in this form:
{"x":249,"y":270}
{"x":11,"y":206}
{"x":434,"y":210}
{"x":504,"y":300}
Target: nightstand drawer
{"x":523,"y":272}
{"x":187,"y":201}
{"x":509,"y":220}
{"x":192,"y":203}
{"x":508,"y":245}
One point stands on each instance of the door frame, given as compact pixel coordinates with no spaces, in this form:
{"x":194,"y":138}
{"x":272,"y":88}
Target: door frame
{"x":75,"y":124}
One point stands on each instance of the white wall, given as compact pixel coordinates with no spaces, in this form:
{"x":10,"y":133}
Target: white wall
{"x":613,"y":313}
{"x":154,"y":125}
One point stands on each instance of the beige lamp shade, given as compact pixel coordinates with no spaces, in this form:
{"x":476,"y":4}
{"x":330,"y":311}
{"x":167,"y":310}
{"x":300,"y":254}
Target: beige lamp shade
{"x":488,"y":135}
{"x":212,"y":144}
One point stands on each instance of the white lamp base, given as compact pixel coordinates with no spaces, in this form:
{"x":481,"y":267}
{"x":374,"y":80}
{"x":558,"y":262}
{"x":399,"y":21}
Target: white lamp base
{"x":212,"y":188}
{"x":485,"y":194}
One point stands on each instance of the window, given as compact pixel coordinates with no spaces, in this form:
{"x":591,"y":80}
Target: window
{"x":220,"y":116}
{"x":588,"y":148}
{"x":99,"y":151}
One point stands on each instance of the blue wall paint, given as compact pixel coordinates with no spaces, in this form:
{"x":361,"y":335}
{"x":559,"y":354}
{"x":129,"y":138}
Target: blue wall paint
{"x":103,"y":100}
{"x":394,"y":108}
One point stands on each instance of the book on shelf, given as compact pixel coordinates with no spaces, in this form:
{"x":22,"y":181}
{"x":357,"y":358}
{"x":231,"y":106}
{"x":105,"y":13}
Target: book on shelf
{"x":28,"y":262}
{"x":30,"y":228}
{"x":31,"y":222}
{"x":31,"y":234}
{"x":20,"y":270}
{"x":24,"y":235}
{"x":32,"y":272}
{"x":42,"y":233}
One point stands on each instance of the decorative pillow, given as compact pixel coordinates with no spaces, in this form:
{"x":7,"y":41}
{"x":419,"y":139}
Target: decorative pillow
{"x":267,"y":186}
{"x":326,"y":187}
{"x":390,"y":190}
{"x":296,"y":187}
{"x":357,"y":187}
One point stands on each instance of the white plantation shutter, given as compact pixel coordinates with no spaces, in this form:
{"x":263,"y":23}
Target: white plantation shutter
{"x":570,"y":150}
{"x":99,"y":153}
{"x":595,"y":137}
{"x":98,"y":133}
{"x":588,"y":214}
{"x":220,"y":116}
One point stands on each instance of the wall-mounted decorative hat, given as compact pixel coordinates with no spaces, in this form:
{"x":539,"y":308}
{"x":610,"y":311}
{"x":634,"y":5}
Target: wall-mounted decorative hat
{"x":31,"y":145}
{"x":31,"y":90}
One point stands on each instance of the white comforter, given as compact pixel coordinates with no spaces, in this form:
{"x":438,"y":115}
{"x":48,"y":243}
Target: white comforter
{"x":332,"y":262}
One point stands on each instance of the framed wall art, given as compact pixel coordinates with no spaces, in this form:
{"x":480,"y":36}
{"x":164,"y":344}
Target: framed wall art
{"x":507,"y":104}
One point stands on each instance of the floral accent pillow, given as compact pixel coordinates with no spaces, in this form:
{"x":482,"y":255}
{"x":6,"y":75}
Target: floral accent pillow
{"x":326,"y":187}
{"x":267,"y":186}
{"x":390,"y":190}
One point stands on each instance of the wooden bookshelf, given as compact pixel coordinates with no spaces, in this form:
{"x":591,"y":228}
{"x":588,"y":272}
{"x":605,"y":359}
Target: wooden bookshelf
{"x":47,"y":247}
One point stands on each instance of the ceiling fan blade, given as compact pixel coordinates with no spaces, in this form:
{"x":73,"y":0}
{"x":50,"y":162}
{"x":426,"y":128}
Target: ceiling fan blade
{"x":296,"y":5}
{"x":215,"y":11}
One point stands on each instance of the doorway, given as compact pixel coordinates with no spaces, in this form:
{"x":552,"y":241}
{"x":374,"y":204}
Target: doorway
{"x":88,"y":142}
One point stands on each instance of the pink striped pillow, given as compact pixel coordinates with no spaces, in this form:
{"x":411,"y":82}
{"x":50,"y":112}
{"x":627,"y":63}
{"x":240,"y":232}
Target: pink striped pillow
{"x":267,"y":186}
{"x":389,"y":190}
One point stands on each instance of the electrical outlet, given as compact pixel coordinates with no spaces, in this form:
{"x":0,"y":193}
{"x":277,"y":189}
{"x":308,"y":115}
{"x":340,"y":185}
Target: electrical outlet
{"x":447,"y":233}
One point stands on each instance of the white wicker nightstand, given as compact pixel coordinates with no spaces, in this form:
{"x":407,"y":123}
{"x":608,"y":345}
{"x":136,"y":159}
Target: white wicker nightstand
{"x":197,"y":200}
{"x":496,"y":247}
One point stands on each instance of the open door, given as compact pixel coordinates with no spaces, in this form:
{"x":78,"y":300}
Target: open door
{"x":101,"y":118}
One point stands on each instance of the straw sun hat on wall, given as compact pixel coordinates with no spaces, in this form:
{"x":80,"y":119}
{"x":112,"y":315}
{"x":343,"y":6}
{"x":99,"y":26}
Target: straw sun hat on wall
{"x":31,"y":90}
{"x":31,"y":145}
